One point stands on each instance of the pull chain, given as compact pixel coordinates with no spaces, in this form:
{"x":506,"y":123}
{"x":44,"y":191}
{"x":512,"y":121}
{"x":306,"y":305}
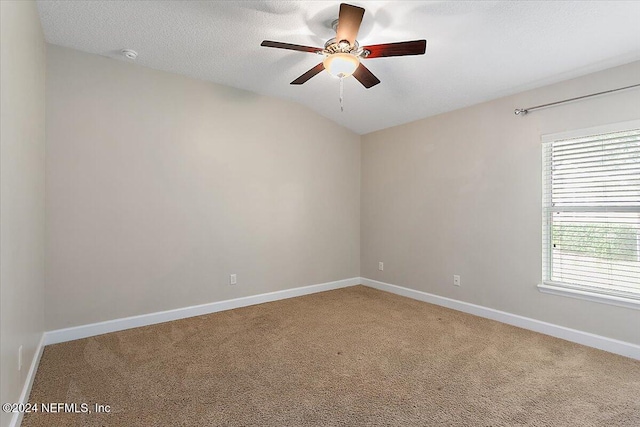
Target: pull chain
{"x":341,"y":93}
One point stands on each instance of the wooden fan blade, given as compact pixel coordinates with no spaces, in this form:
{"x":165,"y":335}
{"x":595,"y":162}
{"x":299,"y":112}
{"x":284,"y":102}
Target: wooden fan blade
{"x":280,"y":45}
{"x":306,"y":76}
{"x":366,"y":77}
{"x":414,"y":47}
{"x":349,"y":21}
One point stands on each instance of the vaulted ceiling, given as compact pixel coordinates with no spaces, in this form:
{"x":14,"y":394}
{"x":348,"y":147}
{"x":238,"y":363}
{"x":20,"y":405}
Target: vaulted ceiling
{"x":476,"y":51}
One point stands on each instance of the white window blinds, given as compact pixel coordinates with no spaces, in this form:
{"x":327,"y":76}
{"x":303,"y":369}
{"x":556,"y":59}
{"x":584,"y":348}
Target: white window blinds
{"x":591,"y":212}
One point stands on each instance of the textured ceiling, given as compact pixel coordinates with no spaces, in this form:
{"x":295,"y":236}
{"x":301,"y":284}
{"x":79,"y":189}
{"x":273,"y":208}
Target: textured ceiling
{"x":476,"y":51}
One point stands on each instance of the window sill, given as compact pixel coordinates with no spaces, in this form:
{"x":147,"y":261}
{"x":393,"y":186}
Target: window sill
{"x":555,"y":289}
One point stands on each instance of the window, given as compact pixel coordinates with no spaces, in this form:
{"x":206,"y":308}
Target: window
{"x":591,"y":214}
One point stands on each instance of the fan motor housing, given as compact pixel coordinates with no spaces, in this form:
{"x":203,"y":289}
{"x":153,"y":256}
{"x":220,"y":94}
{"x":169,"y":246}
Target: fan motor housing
{"x":334,"y":46}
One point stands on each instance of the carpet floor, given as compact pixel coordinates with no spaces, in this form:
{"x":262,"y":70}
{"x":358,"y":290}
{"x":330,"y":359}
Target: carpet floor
{"x":349,"y":357}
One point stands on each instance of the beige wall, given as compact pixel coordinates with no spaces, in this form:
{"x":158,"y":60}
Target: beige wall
{"x":460,"y":193}
{"x":160,"y":186}
{"x":22,"y":215}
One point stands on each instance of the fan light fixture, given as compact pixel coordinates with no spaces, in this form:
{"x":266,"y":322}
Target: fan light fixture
{"x":342,"y":53}
{"x":341,"y":64}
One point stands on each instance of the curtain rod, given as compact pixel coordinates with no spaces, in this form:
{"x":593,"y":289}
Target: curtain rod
{"x":524,"y":111}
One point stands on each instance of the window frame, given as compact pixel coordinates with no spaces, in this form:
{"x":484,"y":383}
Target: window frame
{"x":559,"y":288}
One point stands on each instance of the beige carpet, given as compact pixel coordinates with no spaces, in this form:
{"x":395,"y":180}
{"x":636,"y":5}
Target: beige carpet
{"x":350,"y":357}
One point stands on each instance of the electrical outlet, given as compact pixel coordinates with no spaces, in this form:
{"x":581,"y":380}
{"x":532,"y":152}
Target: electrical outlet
{"x":20,"y":358}
{"x":456,"y":280}
{"x":233,"y":279}
{"x":381,"y":266}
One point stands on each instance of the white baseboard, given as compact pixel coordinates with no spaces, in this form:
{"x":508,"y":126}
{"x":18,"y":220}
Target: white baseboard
{"x":16,"y":419}
{"x":84,"y":331}
{"x":585,"y":338}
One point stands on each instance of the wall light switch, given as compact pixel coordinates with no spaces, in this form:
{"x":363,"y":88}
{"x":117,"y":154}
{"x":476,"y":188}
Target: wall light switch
{"x":232,"y":279}
{"x":456,"y":280}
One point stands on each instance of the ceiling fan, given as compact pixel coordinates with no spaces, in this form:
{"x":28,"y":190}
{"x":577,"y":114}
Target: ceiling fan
{"x":343,"y":53}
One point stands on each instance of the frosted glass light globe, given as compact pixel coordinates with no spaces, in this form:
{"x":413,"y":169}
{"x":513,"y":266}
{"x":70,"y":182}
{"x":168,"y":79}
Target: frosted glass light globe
{"x":341,"y":64}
